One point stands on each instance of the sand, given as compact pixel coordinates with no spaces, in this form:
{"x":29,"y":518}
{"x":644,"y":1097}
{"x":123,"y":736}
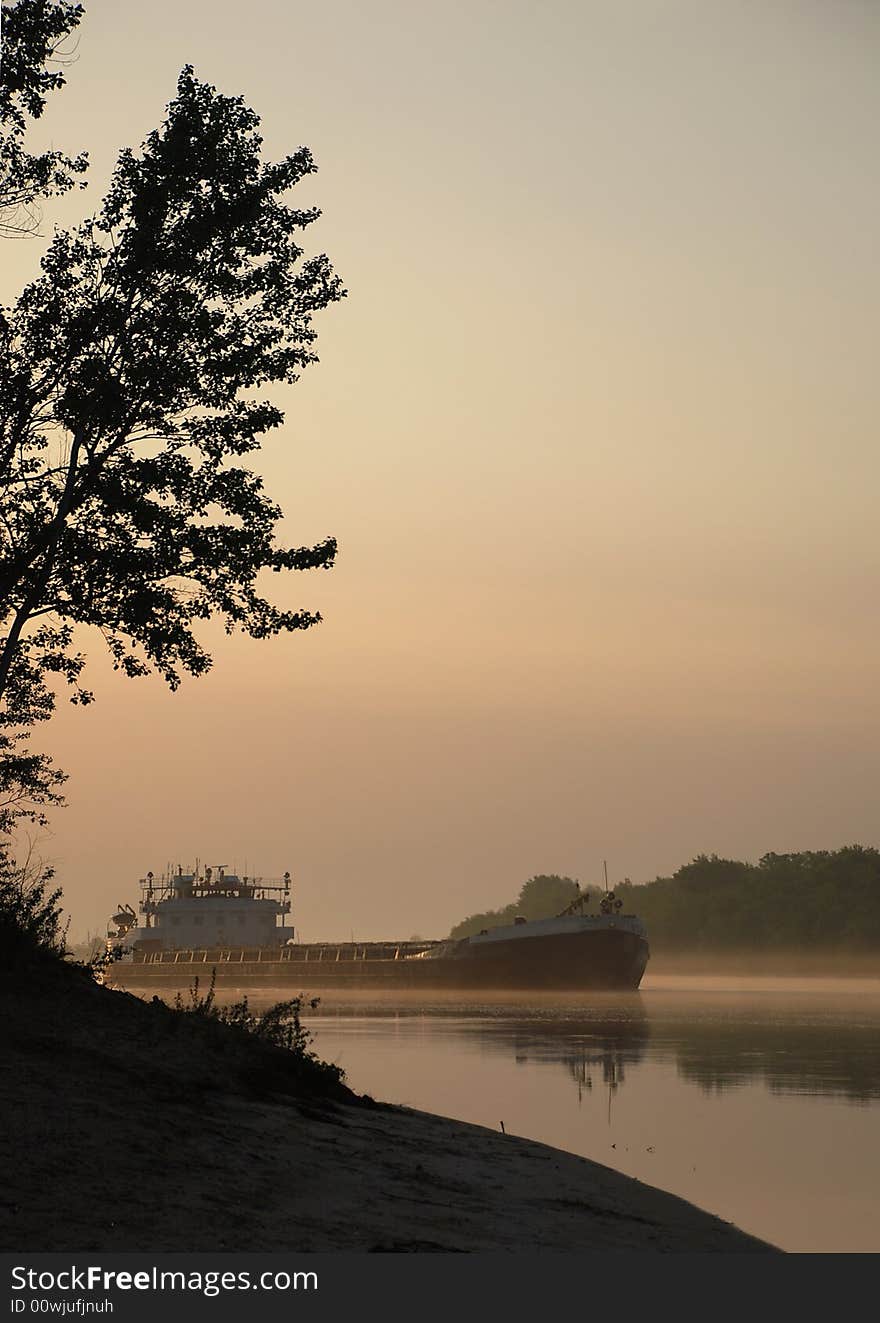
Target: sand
{"x":122,"y":1131}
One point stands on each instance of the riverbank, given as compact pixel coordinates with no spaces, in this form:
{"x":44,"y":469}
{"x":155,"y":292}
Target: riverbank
{"x":125,"y":1127}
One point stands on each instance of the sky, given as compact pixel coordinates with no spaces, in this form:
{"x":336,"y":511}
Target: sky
{"x":595,"y":428}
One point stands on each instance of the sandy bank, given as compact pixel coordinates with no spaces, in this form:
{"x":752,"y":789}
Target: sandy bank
{"x":119,"y":1131}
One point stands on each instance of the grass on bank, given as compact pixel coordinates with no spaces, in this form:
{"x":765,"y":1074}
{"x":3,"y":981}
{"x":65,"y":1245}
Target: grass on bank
{"x":280,"y":1026}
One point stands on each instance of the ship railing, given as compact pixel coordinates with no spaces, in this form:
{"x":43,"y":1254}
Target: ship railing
{"x":313,"y":953}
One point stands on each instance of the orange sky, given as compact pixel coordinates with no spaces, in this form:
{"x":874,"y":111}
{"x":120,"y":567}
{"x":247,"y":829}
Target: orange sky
{"x":595,"y":429}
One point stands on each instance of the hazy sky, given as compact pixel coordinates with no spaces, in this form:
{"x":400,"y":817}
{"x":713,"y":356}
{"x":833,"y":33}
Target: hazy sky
{"x":595,"y":429}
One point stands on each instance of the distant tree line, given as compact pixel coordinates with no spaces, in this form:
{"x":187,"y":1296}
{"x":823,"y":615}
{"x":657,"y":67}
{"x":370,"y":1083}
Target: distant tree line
{"x":812,"y":900}
{"x":539,"y":898}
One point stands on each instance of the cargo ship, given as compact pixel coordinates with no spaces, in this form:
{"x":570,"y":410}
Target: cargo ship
{"x":210,"y":922}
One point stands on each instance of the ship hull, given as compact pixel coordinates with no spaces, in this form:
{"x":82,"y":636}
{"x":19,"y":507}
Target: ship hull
{"x":607,"y":959}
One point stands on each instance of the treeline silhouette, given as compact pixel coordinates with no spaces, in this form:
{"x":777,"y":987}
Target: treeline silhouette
{"x":813,"y":900}
{"x":817,"y":900}
{"x":539,"y":898}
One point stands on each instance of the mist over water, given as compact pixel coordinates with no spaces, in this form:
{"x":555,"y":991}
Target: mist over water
{"x":757,"y":1099}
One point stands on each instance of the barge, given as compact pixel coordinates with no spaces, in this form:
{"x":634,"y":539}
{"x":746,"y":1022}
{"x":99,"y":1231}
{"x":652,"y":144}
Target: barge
{"x":204,"y":923}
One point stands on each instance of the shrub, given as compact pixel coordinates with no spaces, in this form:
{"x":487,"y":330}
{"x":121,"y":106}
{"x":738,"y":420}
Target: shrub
{"x":30,"y":914}
{"x":280,"y":1026}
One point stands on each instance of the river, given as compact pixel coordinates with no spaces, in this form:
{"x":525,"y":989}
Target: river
{"x":755,"y":1098}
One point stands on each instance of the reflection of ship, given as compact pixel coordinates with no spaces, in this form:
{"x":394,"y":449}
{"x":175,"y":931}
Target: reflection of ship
{"x":612,"y":1066}
{"x":211,"y":920}
{"x":595,"y":1051}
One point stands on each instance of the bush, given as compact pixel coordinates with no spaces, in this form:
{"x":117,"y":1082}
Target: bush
{"x":278,"y":1027}
{"x":30,"y":913}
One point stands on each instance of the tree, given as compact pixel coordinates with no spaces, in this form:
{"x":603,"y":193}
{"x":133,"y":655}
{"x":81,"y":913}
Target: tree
{"x":542,"y":897}
{"x":545,"y":895}
{"x":126,"y":372}
{"x":34,"y":36}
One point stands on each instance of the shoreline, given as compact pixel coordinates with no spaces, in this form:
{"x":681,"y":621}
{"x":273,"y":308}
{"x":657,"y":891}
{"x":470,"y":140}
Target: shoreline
{"x":125,"y":1128}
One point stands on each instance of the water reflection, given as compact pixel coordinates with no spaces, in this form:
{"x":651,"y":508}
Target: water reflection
{"x":717,"y":1045}
{"x":732,"y":1098}
{"x":811,"y":1060}
{"x":592,"y":1052}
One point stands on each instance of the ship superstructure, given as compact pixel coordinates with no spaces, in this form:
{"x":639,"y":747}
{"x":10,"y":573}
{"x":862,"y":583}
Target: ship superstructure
{"x":205,"y":908}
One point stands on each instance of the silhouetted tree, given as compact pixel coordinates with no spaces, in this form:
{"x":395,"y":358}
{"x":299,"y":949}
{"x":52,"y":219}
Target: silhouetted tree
{"x":545,"y":895}
{"x":541,"y":897}
{"x":812,"y":900}
{"x":34,"y":37}
{"x":126,"y":408}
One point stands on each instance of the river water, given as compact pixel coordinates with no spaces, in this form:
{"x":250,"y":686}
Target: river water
{"x":757,"y":1099}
